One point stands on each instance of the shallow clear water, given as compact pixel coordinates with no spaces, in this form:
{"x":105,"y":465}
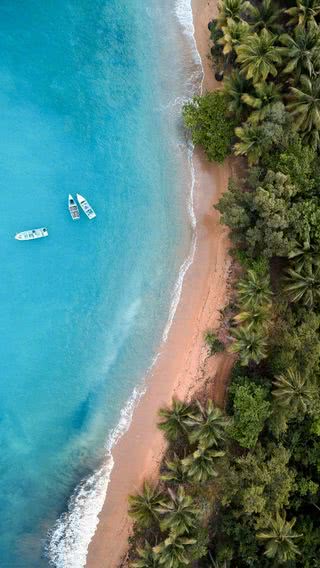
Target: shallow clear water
{"x":90,"y":94}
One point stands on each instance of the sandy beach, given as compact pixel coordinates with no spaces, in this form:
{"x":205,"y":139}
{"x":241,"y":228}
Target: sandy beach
{"x":183,"y":365}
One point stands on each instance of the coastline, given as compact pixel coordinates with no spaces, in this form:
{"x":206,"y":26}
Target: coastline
{"x":183,"y":364}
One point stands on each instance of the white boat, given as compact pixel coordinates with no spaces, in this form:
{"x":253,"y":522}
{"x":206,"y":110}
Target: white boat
{"x":85,"y":206}
{"x":32,"y":234}
{"x":73,"y":208}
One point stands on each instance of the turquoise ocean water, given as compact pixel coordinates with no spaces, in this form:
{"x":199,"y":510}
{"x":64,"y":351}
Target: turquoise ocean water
{"x":90,"y":98}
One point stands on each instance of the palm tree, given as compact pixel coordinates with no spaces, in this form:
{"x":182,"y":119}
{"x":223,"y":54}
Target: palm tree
{"x":251,"y":142}
{"x":293,"y":391}
{"x":301,"y":50}
{"x":250,"y":344}
{"x":265,"y":14}
{"x":255,"y":317}
{"x":179,"y":513}
{"x":258,"y":56}
{"x":304,"y":12}
{"x":143,"y":507}
{"x":304,"y":254}
{"x":279,"y":539}
{"x":304,"y":285}
{"x":174,"y":419}
{"x":231,"y":9}
{"x":263,"y":100}
{"x":175,"y":472}
{"x":305,"y":104}
{"x":208,"y":426}
{"x":235,"y":86}
{"x":254,"y":290}
{"x":234,"y":33}
{"x":147,"y":558}
{"x":201,"y":464}
{"x":173,"y":551}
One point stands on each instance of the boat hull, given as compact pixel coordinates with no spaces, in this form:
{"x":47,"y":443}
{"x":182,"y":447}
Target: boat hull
{"x":73,"y":209}
{"x":32,"y":234}
{"x":86,"y":207}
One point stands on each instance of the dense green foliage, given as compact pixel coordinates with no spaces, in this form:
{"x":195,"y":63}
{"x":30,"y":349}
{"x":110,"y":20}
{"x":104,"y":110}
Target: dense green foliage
{"x":242,"y":489}
{"x":210,"y":126}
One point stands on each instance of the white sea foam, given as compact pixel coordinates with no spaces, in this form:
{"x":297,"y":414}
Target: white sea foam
{"x":74,"y":530}
{"x":70,"y":538}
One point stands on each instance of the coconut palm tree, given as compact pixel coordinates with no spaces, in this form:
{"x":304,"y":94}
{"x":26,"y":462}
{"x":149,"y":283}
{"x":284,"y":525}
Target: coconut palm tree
{"x":293,"y":391}
{"x":251,"y":143}
{"x":304,"y":254}
{"x":304,"y":285}
{"x":173,"y":551}
{"x":174,"y":419}
{"x":265,"y":14}
{"x":146,"y":558}
{"x":234,"y":33}
{"x":304,"y":12}
{"x":255,"y":317}
{"x":143,"y":506}
{"x":231,"y":9}
{"x":235,"y":86}
{"x":250,"y":344}
{"x":263,"y":100}
{"x":208,"y":425}
{"x":178,"y":513}
{"x":304,"y":104}
{"x":279,"y":538}
{"x":201,"y":465}
{"x":254,"y":290}
{"x":175,"y":472}
{"x":258,"y":56}
{"x":301,"y":51}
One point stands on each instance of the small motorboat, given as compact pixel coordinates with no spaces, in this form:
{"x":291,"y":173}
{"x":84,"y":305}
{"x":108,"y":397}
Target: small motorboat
{"x":32,"y":234}
{"x":85,"y":206}
{"x":73,"y":208}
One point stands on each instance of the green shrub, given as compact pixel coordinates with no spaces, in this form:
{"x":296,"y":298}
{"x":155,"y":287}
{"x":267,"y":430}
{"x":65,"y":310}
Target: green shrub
{"x":210,"y":126}
{"x":214,"y":344}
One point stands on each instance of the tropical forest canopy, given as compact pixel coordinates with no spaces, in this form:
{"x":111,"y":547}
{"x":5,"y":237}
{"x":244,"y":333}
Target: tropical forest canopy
{"x":240,"y":487}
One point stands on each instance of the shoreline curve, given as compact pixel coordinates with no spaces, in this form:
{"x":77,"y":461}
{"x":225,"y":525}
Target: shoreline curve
{"x":182,"y":364}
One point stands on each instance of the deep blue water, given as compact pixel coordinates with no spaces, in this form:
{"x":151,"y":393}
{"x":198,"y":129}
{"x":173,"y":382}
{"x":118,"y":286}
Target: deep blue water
{"x":86,"y":105}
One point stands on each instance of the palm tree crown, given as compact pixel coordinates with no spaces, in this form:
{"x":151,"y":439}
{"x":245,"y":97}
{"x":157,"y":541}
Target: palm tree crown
{"x":254,"y":317}
{"x":235,"y":86}
{"x":143,"y":507}
{"x":304,"y":254}
{"x":233,"y":9}
{"x":305,"y":104}
{"x":233,"y":35}
{"x":265,"y":14}
{"x":174,"y":419}
{"x":304,"y":12}
{"x":146,"y":558}
{"x":279,"y":539}
{"x":173,"y":552}
{"x":201,"y":464}
{"x":178,"y":513}
{"x":301,"y":50}
{"x":207,"y":426}
{"x":258,"y":56}
{"x":292,"y":391}
{"x":251,"y":142}
{"x":175,"y":472}
{"x":250,"y":344}
{"x":254,"y":290}
{"x":304,"y":285}
{"x":263,"y":100}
